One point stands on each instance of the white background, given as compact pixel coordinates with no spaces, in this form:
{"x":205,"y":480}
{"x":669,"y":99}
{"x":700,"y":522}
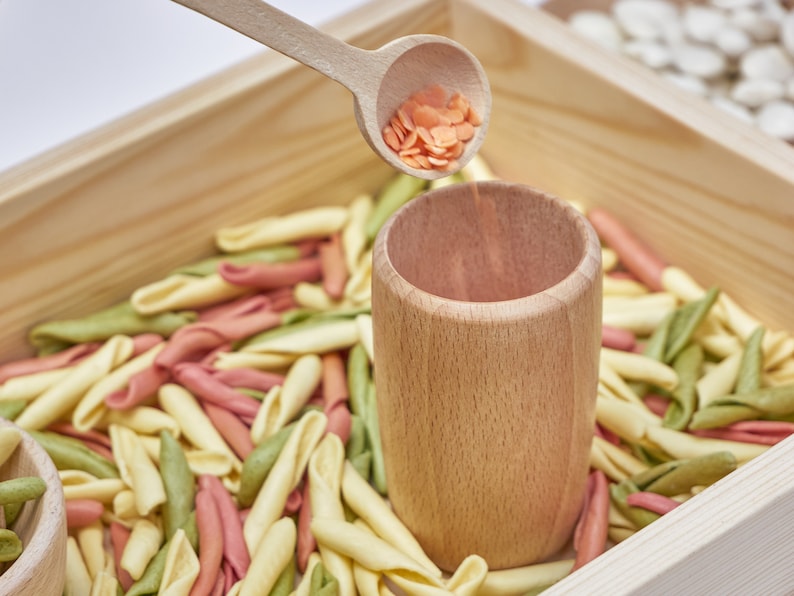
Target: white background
{"x":68,"y":66}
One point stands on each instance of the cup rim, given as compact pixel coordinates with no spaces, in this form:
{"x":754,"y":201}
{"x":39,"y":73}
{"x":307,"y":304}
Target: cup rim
{"x":565,"y":290}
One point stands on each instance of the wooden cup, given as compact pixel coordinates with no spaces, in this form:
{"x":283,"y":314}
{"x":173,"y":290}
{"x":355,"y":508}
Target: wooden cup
{"x":41,"y":525}
{"x":486,"y":305}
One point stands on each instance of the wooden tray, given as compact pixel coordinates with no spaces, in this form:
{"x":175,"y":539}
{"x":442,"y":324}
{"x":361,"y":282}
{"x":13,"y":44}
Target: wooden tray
{"x":84,"y":225}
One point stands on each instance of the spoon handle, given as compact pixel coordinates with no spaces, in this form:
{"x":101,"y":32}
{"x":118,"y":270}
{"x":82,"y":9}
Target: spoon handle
{"x":292,"y":37}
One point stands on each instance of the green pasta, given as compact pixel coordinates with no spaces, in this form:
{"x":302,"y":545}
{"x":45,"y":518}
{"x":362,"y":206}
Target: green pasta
{"x":639,"y":516}
{"x":398,"y":191}
{"x":11,"y":513}
{"x":10,"y":546}
{"x":358,"y":378}
{"x":716,"y":416}
{"x":19,"y":490}
{"x":12,"y":408}
{"x":687,"y":365}
{"x":749,"y":376}
{"x":323,"y":583}
{"x":686,"y":320}
{"x":149,"y":582}
{"x":373,"y":433}
{"x":71,"y":454}
{"x":285,"y":583}
{"x":179,"y":484}
{"x":356,"y":449}
{"x":679,"y":476}
{"x":121,"y":319}
{"x":258,"y":463}
{"x":272,"y":254}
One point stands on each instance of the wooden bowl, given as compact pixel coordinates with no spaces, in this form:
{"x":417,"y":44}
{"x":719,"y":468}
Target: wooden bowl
{"x":41,"y":568}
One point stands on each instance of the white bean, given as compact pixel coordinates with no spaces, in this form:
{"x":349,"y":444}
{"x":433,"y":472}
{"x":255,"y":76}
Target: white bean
{"x":598,"y":27}
{"x":777,"y":119}
{"x":767,"y":61}
{"x":756,"y":92}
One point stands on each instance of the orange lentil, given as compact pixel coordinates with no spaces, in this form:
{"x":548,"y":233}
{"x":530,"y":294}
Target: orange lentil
{"x":429,"y":131}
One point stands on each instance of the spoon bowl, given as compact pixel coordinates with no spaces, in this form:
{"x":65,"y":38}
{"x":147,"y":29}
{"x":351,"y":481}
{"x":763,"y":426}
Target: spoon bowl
{"x":380,"y":80}
{"x":411,"y":64}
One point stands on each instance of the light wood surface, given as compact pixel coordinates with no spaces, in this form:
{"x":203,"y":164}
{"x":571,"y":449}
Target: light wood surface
{"x":84,"y":225}
{"x":41,"y":568}
{"x":380,"y":80}
{"x":486,"y":307}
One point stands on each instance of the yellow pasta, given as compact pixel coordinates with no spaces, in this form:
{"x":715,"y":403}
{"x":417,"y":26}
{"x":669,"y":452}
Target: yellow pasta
{"x":137,"y":469}
{"x":681,"y":445}
{"x":9,"y":439}
{"x":203,"y":461}
{"x":28,"y":387}
{"x":180,"y":292}
{"x":331,"y":335}
{"x":736,"y":318}
{"x":354,"y":236}
{"x":520,"y":580}
{"x":370,"y":582}
{"x":719,"y":380}
{"x":270,"y":231}
{"x":304,"y":585}
{"x":90,"y":540}
{"x":78,"y":580}
{"x":266,"y":415}
{"x":613,"y":286}
{"x":281,"y":405}
{"x":368,"y":505}
{"x":468,"y":577}
{"x":618,"y":519}
{"x":781,"y":348}
{"x":196,"y":425}
{"x":144,"y":420}
{"x":599,"y":461}
{"x":364,"y":323}
{"x":721,"y":345}
{"x":325,"y":486}
{"x":142,"y":545}
{"x":638,"y":367}
{"x":181,"y":567}
{"x":314,"y":296}
{"x":358,"y":288}
{"x":91,"y":407}
{"x":612,"y":382}
{"x":363,"y":546}
{"x":681,"y":284}
{"x":640,"y":323}
{"x":609,"y":259}
{"x":623,"y":418}
{"x":626,"y":462}
{"x":272,"y":554}
{"x":79,"y":485}
{"x":105,"y":584}
{"x":124,"y":505}
{"x":60,"y":398}
{"x":269,"y":362}
{"x":283,"y":477}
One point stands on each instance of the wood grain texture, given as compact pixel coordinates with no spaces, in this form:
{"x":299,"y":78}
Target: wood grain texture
{"x":486,"y":305}
{"x":41,"y":525}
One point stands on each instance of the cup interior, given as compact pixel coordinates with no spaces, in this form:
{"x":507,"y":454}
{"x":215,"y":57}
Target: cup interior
{"x":486,"y":241}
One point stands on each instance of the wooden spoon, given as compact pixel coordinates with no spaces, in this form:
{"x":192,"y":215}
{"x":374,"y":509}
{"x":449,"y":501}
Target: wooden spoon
{"x":380,"y":80}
